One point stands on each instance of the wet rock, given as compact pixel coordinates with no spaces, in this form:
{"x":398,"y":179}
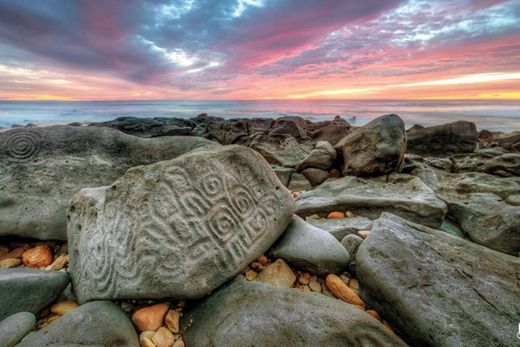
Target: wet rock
{"x":93,"y":324}
{"x":446,"y":139}
{"x":310,"y":249}
{"x":42,"y":168}
{"x":254,"y":314}
{"x":29,"y":290}
{"x":176,"y":229}
{"x":437,"y":289}
{"x":403,"y":195}
{"x":374,"y":149}
{"x":339,"y":228}
{"x":15,"y":327}
{"x":315,"y":176}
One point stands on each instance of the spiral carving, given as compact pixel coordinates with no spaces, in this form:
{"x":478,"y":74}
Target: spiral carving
{"x":23,"y":144}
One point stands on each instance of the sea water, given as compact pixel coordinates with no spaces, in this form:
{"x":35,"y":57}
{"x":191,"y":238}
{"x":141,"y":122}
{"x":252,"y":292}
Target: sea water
{"x":491,"y":115}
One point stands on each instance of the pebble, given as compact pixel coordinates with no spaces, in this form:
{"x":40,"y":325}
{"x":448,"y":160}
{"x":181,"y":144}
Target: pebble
{"x":172,"y":321}
{"x":3,"y":250}
{"x":295,"y":194}
{"x":163,"y":338}
{"x":37,"y":257}
{"x":314,"y":216}
{"x":251,"y":275}
{"x":258,"y":267}
{"x":349,"y":214}
{"x":178,"y":343}
{"x":263,"y":260}
{"x":314,"y":285}
{"x":278,"y":274}
{"x":363,"y":233}
{"x":59,"y":263}
{"x":336,"y":215}
{"x":342,"y":291}
{"x":306,"y":288}
{"x":150,"y":318}
{"x":9,"y":263}
{"x":353,"y":284}
{"x":334,"y":173}
{"x":304,"y":278}
{"x":63,"y":307}
{"x":374,"y":314}
{"x":15,"y":253}
{"x":146,"y":342}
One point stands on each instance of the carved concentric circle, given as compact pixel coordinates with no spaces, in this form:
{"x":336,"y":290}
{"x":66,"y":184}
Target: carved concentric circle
{"x":23,"y":144}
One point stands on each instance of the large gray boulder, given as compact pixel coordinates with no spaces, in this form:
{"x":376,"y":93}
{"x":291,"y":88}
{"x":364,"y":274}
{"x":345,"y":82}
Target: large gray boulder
{"x":437,"y":289}
{"x":256,"y":314}
{"x":99,"y":323}
{"x":446,"y":139}
{"x":310,"y":249}
{"x":178,"y":228}
{"x":29,"y":290}
{"x":404,"y":195}
{"x":15,"y":327}
{"x":42,"y":168}
{"x":341,"y":227}
{"x":374,"y":149}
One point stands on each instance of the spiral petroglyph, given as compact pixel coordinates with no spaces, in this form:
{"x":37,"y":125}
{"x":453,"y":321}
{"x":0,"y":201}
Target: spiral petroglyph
{"x":182,"y":223}
{"x":22,"y":144}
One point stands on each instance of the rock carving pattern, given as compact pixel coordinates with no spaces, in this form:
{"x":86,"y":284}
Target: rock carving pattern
{"x":22,"y":144}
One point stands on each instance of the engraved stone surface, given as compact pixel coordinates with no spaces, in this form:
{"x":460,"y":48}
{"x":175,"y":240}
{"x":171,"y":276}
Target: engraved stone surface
{"x":42,"y":168}
{"x":177,"y":228}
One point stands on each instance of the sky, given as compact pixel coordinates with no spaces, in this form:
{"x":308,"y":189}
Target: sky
{"x":259,"y":49}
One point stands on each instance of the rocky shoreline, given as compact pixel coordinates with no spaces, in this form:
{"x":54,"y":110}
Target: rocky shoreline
{"x":211,"y":232}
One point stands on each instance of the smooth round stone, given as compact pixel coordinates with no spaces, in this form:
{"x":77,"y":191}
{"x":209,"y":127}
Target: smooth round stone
{"x":15,"y":327}
{"x":351,"y":242}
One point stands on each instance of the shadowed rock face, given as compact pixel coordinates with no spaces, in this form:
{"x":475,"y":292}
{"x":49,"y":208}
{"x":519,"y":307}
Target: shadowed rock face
{"x":42,"y":168}
{"x":437,"y":289}
{"x":255,"y":314}
{"x":177,"y":228}
{"x":446,"y":139}
{"x":374,"y":149}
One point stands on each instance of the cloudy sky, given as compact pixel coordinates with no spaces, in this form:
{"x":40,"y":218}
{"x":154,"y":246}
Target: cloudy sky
{"x":259,"y":49}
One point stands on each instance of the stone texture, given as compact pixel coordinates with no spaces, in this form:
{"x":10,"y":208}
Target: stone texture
{"x":315,"y":176}
{"x":437,"y":289}
{"x":42,"y":168}
{"x":15,"y":327}
{"x":29,"y":290}
{"x":446,"y":139}
{"x":283,"y":173}
{"x":283,"y":151}
{"x":494,"y":162}
{"x":310,"y":249}
{"x":253,"y":314}
{"x":403,"y":195}
{"x":374,"y":149}
{"x":176,"y":229}
{"x":299,"y":183}
{"x":277,"y":274}
{"x":322,"y":157}
{"x":351,"y":243}
{"x":99,"y":323}
{"x":339,"y":228}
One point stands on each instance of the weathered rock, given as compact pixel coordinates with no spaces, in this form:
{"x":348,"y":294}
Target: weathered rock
{"x":446,"y":139}
{"x":42,"y":168}
{"x":293,"y":126}
{"x":277,"y":274}
{"x":321,"y":157}
{"x":404,"y":195}
{"x":374,"y":149}
{"x":339,"y":228}
{"x":229,"y":132}
{"x":310,"y":248}
{"x":437,"y":289}
{"x":284,"y":151}
{"x":29,"y":290}
{"x":332,"y":132}
{"x":283,"y":173}
{"x":253,"y":314}
{"x":351,"y":243}
{"x":493,"y":162}
{"x":177,"y":228}
{"x":299,"y":183}
{"x":315,"y":176}
{"x":99,"y":323}
{"x":509,"y":141}
{"x":15,"y":327}
{"x":150,"y":127}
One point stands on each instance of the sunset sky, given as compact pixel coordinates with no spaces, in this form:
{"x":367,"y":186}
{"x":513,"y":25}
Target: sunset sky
{"x":259,"y":49}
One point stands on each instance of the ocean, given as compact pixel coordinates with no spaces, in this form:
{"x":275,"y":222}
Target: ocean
{"x":491,"y":115}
